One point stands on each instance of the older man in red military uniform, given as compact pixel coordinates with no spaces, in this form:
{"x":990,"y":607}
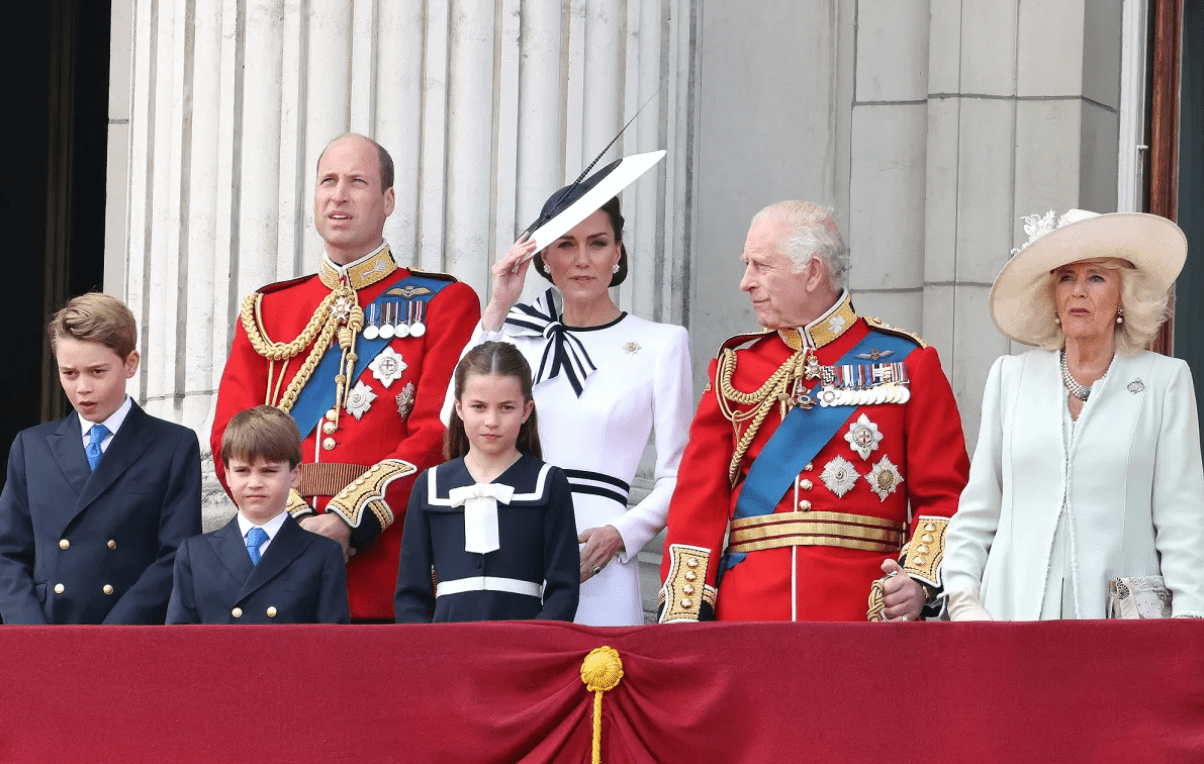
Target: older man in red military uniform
{"x":811,"y":441}
{"x":361,"y":355}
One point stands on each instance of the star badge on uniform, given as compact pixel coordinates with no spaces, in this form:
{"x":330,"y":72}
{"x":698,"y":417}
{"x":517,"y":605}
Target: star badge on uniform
{"x":388,"y":366}
{"x":884,"y":478}
{"x":359,"y":399}
{"x":839,"y":476}
{"x":863,"y":436}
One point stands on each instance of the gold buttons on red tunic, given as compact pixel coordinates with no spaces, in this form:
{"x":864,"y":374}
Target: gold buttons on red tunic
{"x":804,"y":506}
{"x":806,"y":485}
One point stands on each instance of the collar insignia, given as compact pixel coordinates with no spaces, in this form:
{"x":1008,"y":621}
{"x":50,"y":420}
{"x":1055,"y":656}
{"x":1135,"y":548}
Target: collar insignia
{"x":362,"y":273}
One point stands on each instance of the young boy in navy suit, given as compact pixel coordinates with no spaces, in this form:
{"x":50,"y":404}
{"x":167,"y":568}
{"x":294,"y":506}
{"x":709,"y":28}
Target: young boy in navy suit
{"x":261,"y":567}
{"x":96,"y":504}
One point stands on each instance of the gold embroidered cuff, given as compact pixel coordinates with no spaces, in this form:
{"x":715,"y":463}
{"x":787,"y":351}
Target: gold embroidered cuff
{"x":926,"y":550}
{"x":297,"y":506}
{"x":366,"y":494}
{"x":685,"y":588}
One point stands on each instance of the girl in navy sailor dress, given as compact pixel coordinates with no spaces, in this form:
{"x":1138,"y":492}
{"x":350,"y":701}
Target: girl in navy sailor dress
{"x":490,"y":535}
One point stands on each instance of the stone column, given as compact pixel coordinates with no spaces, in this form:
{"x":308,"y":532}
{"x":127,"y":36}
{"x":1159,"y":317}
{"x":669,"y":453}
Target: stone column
{"x":221,"y":109}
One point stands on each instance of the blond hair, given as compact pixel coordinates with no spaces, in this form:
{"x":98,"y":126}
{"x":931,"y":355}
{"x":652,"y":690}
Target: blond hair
{"x":1145,"y":308}
{"x":96,"y":317}
{"x":264,"y":432}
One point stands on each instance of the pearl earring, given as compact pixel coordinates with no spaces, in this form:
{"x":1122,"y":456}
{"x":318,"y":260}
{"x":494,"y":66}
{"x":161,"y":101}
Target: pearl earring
{"x":1056,"y":319}
{"x":1120,"y":315}
{"x":614,"y":268}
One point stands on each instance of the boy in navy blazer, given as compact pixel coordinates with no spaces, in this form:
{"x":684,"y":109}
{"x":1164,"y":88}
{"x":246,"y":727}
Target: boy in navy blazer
{"x":261,"y":567}
{"x":96,"y":504}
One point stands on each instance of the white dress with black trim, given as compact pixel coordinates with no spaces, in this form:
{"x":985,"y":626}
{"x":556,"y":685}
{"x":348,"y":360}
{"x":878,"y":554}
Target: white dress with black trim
{"x":600,"y":393}
{"x":530,"y":570}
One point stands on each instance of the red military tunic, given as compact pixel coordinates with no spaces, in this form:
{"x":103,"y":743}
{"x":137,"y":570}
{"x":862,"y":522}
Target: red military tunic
{"x":839,"y":524}
{"x":364,"y":461}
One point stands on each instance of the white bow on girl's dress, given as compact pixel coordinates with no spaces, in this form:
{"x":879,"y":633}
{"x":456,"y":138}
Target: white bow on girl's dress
{"x":480,"y":513}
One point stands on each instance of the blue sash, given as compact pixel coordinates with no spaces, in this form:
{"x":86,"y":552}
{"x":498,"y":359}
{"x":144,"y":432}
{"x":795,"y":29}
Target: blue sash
{"x":800,"y":437}
{"x":317,"y":397}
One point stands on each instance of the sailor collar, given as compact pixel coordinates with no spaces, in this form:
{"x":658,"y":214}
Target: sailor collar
{"x":360,"y":274}
{"x":824,"y":330}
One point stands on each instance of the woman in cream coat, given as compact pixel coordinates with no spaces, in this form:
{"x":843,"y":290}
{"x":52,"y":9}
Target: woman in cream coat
{"x":1088,"y":462}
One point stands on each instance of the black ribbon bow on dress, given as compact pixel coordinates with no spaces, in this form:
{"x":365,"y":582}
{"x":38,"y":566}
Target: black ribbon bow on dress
{"x":563,"y":352}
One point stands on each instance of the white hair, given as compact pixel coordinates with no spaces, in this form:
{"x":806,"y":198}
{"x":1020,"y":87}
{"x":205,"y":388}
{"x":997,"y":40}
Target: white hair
{"x":811,"y":231}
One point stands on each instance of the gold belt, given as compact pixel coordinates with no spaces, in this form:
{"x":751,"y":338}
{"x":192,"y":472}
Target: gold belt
{"x":838,"y":529}
{"x":328,"y":478}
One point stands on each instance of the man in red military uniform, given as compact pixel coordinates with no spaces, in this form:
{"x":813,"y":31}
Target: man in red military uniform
{"x":361,"y":355}
{"x":809,"y":444}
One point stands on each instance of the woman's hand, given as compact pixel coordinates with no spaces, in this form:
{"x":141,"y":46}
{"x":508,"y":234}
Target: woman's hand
{"x":964,"y":605}
{"x":508,"y":276}
{"x":601,"y":546}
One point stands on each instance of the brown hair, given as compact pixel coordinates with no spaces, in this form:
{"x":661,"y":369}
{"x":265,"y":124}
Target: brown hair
{"x":613,"y":213}
{"x":386,"y":161}
{"x":96,"y":317}
{"x":503,"y":360}
{"x":264,"y":432}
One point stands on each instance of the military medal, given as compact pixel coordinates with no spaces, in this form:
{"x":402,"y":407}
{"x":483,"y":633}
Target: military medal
{"x":372,"y":330}
{"x":417,"y":328}
{"x":839,"y":476}
{"x":884,"y":478}
{"x":388,"y":366}
{"x":386,"y":327}
{"x":402,"y":327}
{"x":359,"y":400}
{"x":863,"y":436}
{"x":405,"y":401}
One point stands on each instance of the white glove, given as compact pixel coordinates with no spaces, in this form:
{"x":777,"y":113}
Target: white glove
{"x":964,"y":605}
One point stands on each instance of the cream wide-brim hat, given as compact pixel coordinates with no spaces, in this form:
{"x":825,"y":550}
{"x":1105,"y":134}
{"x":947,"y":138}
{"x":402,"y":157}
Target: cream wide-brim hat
{"x":1022,"y":303}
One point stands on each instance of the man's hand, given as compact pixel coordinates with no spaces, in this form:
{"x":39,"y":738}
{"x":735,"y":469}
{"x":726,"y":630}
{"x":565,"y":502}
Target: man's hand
{"x":331,"y":526}
{"x":601,"y":546}
{"x":902,"y":596}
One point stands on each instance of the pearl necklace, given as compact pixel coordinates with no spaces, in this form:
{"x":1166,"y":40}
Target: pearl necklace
{"x":1082,"y":392}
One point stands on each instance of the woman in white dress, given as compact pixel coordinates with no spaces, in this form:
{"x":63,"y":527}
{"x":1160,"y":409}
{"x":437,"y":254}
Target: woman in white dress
{"x":605,"y":380}
{"x":1088,"y":464}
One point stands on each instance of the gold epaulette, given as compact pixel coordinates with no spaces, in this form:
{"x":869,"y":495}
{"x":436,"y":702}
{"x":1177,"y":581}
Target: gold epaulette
{"x":882,"y":326}
{"x":367,"y":493}
{"x":685,"y":590}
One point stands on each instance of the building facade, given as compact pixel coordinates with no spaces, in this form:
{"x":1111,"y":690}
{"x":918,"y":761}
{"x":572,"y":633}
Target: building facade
{"x":929,"y":126}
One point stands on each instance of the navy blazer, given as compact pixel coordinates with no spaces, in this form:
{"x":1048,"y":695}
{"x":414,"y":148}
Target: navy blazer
{"x":78,"y":546}
{"x":301,"y":578}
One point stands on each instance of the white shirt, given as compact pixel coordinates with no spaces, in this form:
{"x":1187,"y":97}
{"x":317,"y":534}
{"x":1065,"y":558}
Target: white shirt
{"x":271,"y":527}
{"x":113,"y":423}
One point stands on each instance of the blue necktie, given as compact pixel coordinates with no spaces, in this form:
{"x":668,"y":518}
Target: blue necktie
{"x":97,"y":435}
{"x":255,"y":539}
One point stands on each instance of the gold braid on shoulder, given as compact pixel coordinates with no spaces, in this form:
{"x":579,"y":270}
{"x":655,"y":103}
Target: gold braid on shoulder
{"x":776,"y":389}
{"x":337,"y":311}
